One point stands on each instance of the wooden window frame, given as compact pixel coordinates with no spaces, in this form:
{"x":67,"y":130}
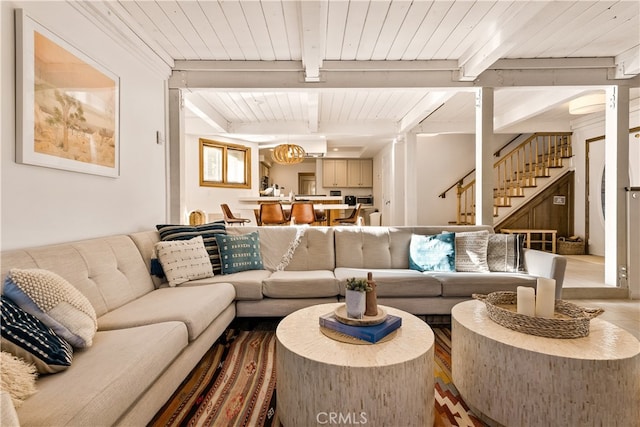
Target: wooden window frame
{"x":225,"y":147}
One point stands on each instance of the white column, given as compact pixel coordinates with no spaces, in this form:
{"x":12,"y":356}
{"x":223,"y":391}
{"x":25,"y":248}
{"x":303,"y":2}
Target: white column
{"x":176,"y":157}
{"x":484,"y":156}
{"x":399,"y":182}
{"x":411,"y":176}
{"x":616,"y":179}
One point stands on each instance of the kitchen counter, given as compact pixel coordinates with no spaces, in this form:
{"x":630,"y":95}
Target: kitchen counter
{"x":285,"y":199}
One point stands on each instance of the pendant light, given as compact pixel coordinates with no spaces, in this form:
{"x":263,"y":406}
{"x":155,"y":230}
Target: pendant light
{"x":288,"y":154}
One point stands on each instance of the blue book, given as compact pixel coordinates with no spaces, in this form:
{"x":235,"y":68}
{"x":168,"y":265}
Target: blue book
{"x":371,"y":334}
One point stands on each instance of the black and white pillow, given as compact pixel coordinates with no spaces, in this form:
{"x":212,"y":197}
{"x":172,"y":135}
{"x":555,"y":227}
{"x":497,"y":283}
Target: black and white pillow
{"x":505,"y":252}
{"x":208,"y":232}
{"x":471,"y":251}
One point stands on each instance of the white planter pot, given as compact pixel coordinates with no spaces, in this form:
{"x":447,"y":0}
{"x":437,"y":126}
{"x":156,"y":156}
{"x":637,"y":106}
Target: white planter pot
{"x":356,"y":303}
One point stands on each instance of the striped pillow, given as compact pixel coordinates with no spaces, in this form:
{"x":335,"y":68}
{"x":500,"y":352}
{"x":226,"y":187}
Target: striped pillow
{"x":188,"y":232}
{"x":25,"y":336}
{"x":505,"y":253}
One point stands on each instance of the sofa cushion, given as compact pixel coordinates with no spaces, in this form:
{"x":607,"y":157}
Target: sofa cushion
{"x":54,"y":301}
{"x":505,"y":252}
{"x":195,"y":306}
{"x":187,"y":232}
{"x":109,"y":271}
{"x":432,"y":253}
{"x":300,"y":284}
{"x":394,"y":282}
{"x":184,"y":260}
{"x":106,"y":379}
{"x":248,"y":284}
{"x":461,"y":284}
{"x":471,"y":251}
{"x":25,"y":336}
{"x":239,"y":253}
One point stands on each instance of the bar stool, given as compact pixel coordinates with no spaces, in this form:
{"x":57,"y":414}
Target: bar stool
{"x":272,"y":214}
{"x":351,"y":219}
{"x":229,"y":218}
{"x":302,"y":213}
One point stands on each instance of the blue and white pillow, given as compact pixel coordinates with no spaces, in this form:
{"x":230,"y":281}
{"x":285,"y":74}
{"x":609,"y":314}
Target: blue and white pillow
{"x":240,"y":253}
{"x":432,"y":253}
{"x":26,"y":337}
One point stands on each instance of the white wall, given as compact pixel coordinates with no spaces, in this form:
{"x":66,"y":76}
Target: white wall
{"x":208,"y":199}
{"x":42,"y":205}
{"x":287,"y":176}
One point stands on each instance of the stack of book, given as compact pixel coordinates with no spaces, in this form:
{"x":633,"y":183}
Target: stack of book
{"x":372,"y":334}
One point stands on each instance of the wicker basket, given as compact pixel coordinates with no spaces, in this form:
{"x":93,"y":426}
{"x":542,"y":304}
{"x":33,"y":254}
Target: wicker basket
{"x":566,"y":247}
{"x":570,"y":320}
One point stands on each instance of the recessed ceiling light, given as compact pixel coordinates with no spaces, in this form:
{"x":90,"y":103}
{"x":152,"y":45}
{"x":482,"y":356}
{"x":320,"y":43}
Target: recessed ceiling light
{"x":335,"y":149}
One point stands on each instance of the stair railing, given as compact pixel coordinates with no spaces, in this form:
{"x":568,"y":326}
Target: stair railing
{"x":517,"y":170}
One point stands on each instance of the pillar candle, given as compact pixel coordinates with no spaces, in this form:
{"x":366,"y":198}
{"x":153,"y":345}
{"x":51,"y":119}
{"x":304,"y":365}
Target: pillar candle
{"x":545,"y":297}
{"x":526,"y":302}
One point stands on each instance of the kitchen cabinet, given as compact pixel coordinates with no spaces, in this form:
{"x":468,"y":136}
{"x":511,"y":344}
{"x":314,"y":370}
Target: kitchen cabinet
{"x":334,"y":173}
{"x":360,"y":173}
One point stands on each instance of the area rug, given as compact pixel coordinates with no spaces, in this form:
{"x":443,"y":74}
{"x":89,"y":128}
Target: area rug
{"x":235,"y":385}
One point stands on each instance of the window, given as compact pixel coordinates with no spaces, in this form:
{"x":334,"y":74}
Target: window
{"x":224,"y":165}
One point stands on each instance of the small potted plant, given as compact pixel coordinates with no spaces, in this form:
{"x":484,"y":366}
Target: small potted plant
{"x":355,"y":296}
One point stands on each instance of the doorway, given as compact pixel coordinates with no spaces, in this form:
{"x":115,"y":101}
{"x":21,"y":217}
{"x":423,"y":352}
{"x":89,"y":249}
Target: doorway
{"x":307,"y":183}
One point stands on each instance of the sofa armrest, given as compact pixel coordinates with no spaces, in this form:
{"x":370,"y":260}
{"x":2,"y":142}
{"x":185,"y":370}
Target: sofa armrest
{"x":546,"y":264}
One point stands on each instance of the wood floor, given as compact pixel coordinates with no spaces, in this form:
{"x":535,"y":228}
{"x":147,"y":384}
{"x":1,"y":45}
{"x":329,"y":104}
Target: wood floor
{"x":584,"y":271}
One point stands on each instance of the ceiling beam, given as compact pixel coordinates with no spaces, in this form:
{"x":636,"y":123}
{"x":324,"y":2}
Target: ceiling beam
{"x":427,"y":105}
{"x":628,"y":63}
{"x":360,"y":129}
{"x":201,"y":108}
{"x":313,"y":21}
{"x":288,"y":75}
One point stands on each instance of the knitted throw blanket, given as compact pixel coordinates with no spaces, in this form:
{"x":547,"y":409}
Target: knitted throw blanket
{"x":288,"y":255}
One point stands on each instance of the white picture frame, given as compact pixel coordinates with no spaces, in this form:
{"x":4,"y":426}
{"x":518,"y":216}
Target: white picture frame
{"x":67,"y":104}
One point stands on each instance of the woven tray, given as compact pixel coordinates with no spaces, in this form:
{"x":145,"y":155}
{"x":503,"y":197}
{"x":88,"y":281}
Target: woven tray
{"x":570,"y":320}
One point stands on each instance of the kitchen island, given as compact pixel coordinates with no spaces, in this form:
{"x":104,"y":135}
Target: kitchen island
{"x":332,"y":205}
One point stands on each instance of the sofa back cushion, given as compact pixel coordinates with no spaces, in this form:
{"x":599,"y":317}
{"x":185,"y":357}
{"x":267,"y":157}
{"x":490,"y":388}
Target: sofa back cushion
{"x":109,"y":271}
{"x":314,"y":247}
{"x":384,"y":247}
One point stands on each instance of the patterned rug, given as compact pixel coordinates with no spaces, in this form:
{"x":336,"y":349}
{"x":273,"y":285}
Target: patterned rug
{"x":235,"y":385}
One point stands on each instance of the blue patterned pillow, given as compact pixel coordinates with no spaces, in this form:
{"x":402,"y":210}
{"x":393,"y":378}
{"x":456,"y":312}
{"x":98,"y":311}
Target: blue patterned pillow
{"x":240,"y":253}
{"x":432,"y":253}
{"x":26,"y":337}
{"x":188,"y":232}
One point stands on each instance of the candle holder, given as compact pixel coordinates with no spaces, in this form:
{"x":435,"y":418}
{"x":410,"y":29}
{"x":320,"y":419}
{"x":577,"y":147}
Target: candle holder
{"x":569,"y":321}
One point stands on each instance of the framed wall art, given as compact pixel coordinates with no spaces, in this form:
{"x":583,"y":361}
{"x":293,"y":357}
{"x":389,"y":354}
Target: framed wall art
{"x":67,"y":105}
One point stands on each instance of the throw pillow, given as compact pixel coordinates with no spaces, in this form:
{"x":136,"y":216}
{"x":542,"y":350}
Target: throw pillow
{"x":186,"y":232}
{"x":24,"y":336}
{"x":471,"y":251}
{"x":184,"y":260}
{"x":240,"y":252}
{"x":505,"y":252}
{"x":55,"y":302}
{"x":432,"y":253}
{"x":17,"y":377}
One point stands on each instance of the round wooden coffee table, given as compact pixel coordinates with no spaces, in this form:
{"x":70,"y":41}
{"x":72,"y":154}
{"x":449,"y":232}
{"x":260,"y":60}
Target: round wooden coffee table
{"x":322,"y":381}
{"x":518,"y":379}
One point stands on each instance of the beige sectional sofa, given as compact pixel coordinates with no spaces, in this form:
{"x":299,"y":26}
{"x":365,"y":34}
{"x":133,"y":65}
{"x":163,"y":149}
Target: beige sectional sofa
{"x":150,"y":335}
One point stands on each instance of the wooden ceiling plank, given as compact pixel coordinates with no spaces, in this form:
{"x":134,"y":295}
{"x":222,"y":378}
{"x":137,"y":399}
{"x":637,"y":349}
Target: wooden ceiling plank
{"x":221,"y":102}
{"x":390,"y":28}
{"x":262,"y":39}
{"x":203,"y":109}
{"x":149,"y":27}
{"x":430,"y":23}
{"x":223,"y":30}
{"x":166,"y":25}
{"x":376,"y":15}
{"x":203,"y":26}
{"x":463,"y":28}
{"x":292,"y":26}
{"x":358,"y":105}
{"x":347,"y":106}
{"x":185,"y":26}
{"x":285,"y":106}
{"x":415,"y":16}
{"x":313,"y":115}
{"x":429,"y":103}
{"x":336,"y":106}
{"x":445,"y":30}
{"x":336,"y":25}
{"x":295,"y":103}
{"x":240,"y":29}
{"x":277,"y":28}
{"x":353,"y":29}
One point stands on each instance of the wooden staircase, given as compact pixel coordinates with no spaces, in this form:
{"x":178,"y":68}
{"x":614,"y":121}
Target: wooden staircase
{"x":522,"y":168}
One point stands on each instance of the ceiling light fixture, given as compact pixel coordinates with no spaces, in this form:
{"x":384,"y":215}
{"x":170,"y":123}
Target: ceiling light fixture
{"x":587,"y":104}
{"x":288,"y":154}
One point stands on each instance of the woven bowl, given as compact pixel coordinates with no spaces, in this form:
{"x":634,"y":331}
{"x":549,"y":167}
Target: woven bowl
{"x":570,"y":320}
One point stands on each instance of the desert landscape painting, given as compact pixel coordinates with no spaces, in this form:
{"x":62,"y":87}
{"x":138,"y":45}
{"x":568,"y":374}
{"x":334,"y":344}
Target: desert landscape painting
{"x":75,"y":107}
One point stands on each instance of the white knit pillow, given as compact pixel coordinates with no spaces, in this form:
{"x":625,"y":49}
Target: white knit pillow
{"x":56,"y":302}
{"x":471,"y":251}
{"x":184,"y":260}
{"x":17,"y":378}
